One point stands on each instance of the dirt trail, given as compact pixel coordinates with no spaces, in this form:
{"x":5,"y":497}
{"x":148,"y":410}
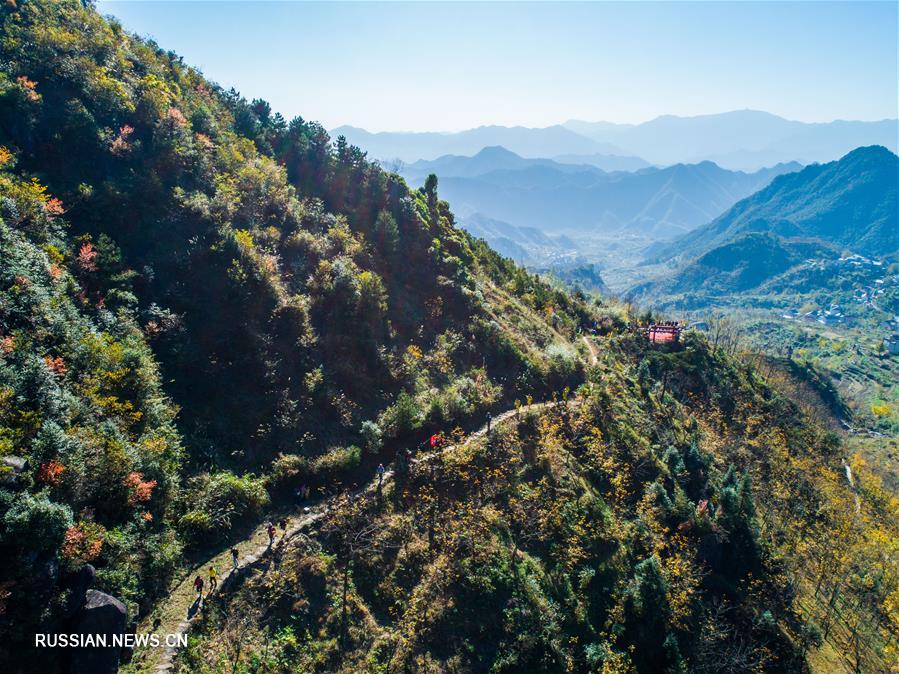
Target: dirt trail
{"x":180,"y":609}
{"x":591,"y":349}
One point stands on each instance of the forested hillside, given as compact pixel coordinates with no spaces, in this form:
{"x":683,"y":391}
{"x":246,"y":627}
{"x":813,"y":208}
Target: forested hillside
{"x":204,"y":306}
{"x":170,"y":247}
{"x":677,"y":515}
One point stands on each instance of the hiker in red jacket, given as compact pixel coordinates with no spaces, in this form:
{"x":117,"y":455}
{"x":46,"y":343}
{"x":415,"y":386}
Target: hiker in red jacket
{"x":271,"y":534}
{"x":198,"y":584}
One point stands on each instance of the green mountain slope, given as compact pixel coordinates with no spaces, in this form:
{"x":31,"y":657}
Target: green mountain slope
{"x":742,"y":264}
{"x":618,"y":533}
{"x":81,"y":401}
{"x":288,"y":264}
{"x":851,"y":203}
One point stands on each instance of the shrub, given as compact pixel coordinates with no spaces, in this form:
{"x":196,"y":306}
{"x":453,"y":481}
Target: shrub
{"x":338,"y":460}
{"x":403,"y":417}
{"x":563,"y":367}
{"x":36,"y":524}
{"x":371,"y":436}
{"x":216,"y":503}
{"x":288,"y":472}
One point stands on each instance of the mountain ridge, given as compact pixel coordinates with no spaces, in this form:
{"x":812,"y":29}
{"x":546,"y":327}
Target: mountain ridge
{"x":810,"y":203}
{"x":562,"y":198}
{"x":742,"y":139}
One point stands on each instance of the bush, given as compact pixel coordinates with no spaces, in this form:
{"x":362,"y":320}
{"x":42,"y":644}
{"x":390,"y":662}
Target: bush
{"x":563,"y":367}
{"x":288,"y":469}
{"x":371,"y":436}
{"x":338,"y":460}
{"x":215,"y":503}
{"x":403,"y":417}
{"x":36,"y":524}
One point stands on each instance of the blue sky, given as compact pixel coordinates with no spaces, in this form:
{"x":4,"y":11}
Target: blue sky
{"x":449,"y":66}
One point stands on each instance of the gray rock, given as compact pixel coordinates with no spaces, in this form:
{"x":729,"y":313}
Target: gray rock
{"x":11,"y":467}
{"x":78,"y":584}
{"x":101,"y":614}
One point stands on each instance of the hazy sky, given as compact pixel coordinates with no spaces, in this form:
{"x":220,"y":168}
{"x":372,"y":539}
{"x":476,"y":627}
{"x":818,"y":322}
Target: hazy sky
{"x":448,"y":66}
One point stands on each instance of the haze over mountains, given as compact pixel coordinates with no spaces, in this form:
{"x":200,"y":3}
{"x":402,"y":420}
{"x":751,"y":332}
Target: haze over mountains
{"x":582,"y":199}
{"x":823,"y":210}
{"x":743,"y":140}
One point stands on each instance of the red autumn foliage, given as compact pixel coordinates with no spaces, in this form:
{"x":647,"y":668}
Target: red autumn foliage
{"x":87,"y":257}
{"x":57,"y":365}
{"x":30,"y":87}
{"x":140,"y":490}
{"x":120,"y":144}
{"x":176,"y":118}
{"x":77,"y":544}
{"x":54,"y":206}
{"x":51,"y":473}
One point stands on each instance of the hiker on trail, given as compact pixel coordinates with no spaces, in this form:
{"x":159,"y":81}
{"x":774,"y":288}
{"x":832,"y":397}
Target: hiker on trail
{"x":437,"y":441}
{"x":213,"y":578}
{"x":198,"y":585}
{"x":380,"y":474}
{"x":234,"y":554}
{"x":302,"y":493}
{"x":489,"y":421}
{"x":271,"y":534}
{"x":283,"y":525}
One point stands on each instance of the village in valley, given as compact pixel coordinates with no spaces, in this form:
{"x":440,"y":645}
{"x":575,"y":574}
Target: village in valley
{"x":864,"y":295}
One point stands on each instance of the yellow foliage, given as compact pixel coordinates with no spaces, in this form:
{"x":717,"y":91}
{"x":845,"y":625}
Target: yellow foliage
{"x":880,"y":409}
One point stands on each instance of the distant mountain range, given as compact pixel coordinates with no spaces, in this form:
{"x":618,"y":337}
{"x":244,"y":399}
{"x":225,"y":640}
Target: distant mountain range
{"x":606,"y":162}
{"x":407,"y":147}
{"x":582,"y":199}
{"x":745,"y":139}
{"x":820,"y":211}
{"x":487,"y":160}
{"x":741,"y":140}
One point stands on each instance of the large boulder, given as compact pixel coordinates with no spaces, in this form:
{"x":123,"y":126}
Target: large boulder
{"x":101,"y":614}
{"x":77,"y":584}
{"x":11,"y":470}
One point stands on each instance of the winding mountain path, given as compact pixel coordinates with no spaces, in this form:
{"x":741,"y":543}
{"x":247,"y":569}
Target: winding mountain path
{"x":592,"y":349}
{"x":181,"y":608}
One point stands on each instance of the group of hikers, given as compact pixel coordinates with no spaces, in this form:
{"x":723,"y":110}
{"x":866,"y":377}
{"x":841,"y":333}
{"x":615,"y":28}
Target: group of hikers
{"x":213,"y":577}
{"x":437,"y":442}
{"x":270,"y":530}
{"x":212,"y":573}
